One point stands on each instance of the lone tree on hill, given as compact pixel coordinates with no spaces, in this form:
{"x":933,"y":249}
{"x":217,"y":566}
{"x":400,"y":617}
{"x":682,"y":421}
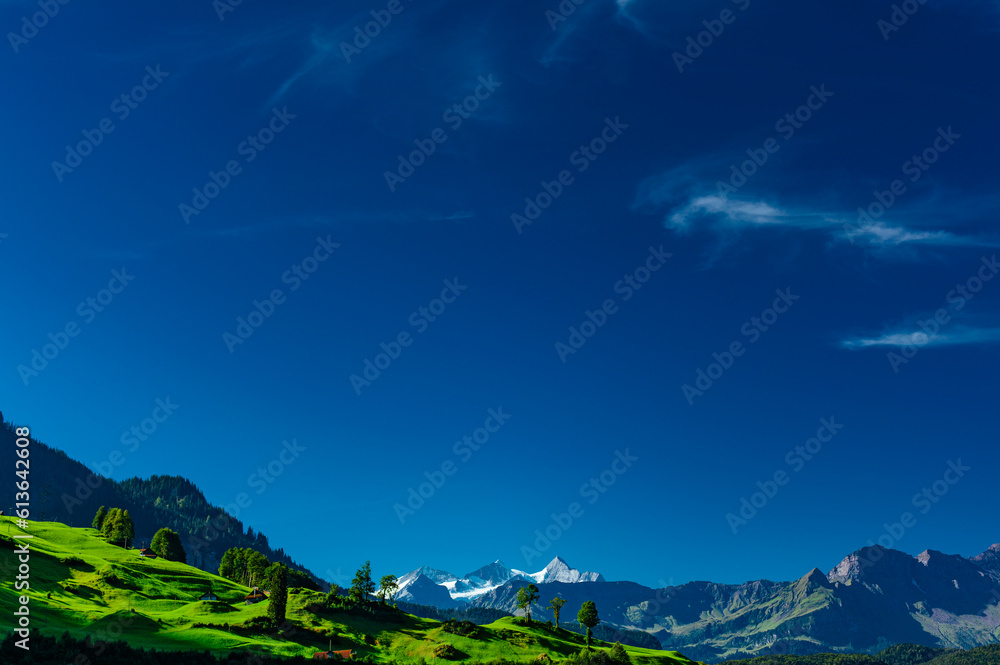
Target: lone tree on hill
{"x":526,"y":595}
{"x":556,"y":604}
{"x":587,"y":616}
{"x":167,"y":544}
{"x":277,"y":583}
{"x":388,"y":586}
{"x":362,"y":586}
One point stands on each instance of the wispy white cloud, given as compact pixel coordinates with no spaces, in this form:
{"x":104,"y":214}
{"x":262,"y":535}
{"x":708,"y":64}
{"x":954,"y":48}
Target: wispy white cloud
{"x":689,"y":202}
{"x":914,"y":337}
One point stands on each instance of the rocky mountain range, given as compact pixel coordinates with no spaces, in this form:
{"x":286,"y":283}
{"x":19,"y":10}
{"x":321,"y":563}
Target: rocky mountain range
{"x":873,"y":598}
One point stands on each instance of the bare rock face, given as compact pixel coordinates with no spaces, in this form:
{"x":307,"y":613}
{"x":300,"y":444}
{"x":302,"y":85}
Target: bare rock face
{"x":989,"y":560}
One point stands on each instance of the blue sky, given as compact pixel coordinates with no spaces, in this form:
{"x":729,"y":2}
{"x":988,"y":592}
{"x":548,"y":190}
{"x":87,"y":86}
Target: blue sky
{"x":660,"y":264}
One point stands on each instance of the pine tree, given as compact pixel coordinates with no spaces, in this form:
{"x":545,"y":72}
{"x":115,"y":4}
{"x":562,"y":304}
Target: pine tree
{"x":619,"y":655}
{"x":277,"y":584}
{"x":98,"y":522}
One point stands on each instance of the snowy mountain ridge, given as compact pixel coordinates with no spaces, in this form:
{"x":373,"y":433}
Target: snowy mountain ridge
{"x":484,"y":579}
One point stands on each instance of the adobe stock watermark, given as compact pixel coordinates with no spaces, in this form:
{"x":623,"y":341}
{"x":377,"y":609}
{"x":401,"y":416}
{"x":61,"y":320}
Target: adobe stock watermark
{"x":463,"y":449}
{"x":37,"y":21}
{"x":914,"y":168}
{"x":924,"y":500}
{"x":626,"y":286}
{"x":122,"y":106}
{"x":752,"y":330}
{"x":248,"y":149}
{"x":786,"y":127}
{"x":696,"y":44}
{"x":796,"y":459}
{"x":454,"y":117}
{"x":130,"y":439}
{"x":420,"y":320}
{"x":561,"y":13}
{"x":932,"y":326}
{"x":899,"y":16}
{"x":87,"y":310}
{"x":581,"y":158}
{"x":592,"y":490}
{"x":365,"y":33}
{"x":223,"y":7}
{"x":294,"y":278}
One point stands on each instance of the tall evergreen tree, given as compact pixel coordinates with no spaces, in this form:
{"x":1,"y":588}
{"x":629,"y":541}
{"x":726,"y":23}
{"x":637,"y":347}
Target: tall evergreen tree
{"x":98,"y":522}
{"x":128,"y":530}
{"x":277,"y":584}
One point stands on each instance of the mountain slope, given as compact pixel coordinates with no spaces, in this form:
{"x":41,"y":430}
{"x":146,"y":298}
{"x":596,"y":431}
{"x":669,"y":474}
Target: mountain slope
{"x":66,"y":491}
{"x":83,"y":585}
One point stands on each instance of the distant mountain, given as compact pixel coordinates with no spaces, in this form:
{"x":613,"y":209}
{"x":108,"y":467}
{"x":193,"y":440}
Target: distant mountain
{"x":64,"y":490}
{"x":422,"y":590}
{"x":461,"y":590}
{"x":873,"y":598}
{"x":560,"y":571}
{"x":989,"y":560}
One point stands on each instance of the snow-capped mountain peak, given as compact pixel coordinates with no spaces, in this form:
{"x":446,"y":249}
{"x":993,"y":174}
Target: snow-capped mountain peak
{"x":487,"y":578}
{"x":559,"y":571}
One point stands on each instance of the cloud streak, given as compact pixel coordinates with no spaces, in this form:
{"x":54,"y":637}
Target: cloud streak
{"x":961,"y":336}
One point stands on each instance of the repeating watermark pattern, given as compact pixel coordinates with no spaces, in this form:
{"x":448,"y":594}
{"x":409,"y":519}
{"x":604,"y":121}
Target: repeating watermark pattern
{"x":752,"y":330}
{"x":933,"y":326}
{"x":37,"y":21}
{"x":581,"y":158}
{"x":796,"y":459}
{"x":130,"y":439}
{"x":899,"y":16}
{"x":454,"y":117}
{"x":87,"y":311}
{"x":260,"y":480}
{"x":914,"y":168}
{"x":294,"y":278}
{"x":696,"y":44}
{"x":122,"y":107}
{"x":786,"y":127}
{"x":420,"y":320}
{"x":626,"y":286}
{"x":365,"y":33}
{"x":248,"y":149}
{"x":924,"y":500}
{"x":592,"y":490}
{"x":463,"y":449}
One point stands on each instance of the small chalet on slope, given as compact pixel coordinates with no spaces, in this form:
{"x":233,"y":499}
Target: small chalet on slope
{"x":208,"y":595}
{"x":147,"y":553}
{"x":255,"y":596}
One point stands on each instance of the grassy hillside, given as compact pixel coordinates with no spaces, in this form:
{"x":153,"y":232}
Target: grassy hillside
{"x":85,"y":586}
